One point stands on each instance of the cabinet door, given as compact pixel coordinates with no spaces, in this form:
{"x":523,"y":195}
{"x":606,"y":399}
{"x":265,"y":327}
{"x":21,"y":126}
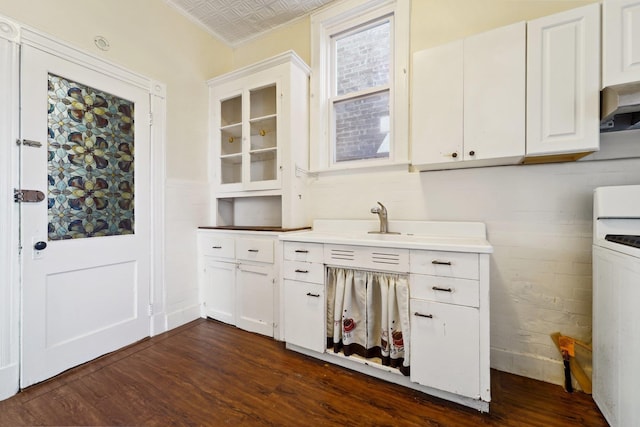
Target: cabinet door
{"x":254,"y":298}
{"x":437,"y":105}
{"x":445,"y":347}
{"x":262,"y":155}
{"x":563,"y":82}
{"x":304,"y":315}
{"x":621,"y":42}
{"x":494,"y":94}
{"x":228,"y":138}
{"x":246,"y":135}
{"x":218,"y":282}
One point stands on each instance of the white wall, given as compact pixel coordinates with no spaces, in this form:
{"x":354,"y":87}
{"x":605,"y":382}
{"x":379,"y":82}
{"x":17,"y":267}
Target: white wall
{"x":152,"y":39}
{"x":539,"y":220}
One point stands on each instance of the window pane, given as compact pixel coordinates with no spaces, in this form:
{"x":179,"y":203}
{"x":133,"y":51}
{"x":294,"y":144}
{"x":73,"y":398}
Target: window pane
{"x":362,"y":59}
{"x":362,"y":128}
{"x":91,"y":162}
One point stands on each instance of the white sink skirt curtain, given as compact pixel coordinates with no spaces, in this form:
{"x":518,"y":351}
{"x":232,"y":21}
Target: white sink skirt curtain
{"x":368,"y":315}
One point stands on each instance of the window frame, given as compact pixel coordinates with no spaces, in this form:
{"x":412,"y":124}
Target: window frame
{"x":343,"y":18}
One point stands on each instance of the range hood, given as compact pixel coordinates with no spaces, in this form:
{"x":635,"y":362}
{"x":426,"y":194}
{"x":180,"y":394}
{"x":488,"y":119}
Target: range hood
{"x":620,"y":107}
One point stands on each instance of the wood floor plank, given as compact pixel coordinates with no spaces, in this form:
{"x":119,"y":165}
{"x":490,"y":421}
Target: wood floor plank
{"x":207,"y":374}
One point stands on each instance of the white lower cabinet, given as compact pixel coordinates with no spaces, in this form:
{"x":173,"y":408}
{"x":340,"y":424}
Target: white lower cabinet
{"x":445,"y":345}
{"x":304,"y":295}
{"x":238,"y":279}
{"x":304,"y":323}
{"x":448,"y":312}
{"x":254,"y":298}
{"x":219,"y":283}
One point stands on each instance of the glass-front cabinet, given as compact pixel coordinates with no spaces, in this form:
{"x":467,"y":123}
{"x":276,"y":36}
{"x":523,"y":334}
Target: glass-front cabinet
{"x":259,"y":143}
{"x":248,"y":140}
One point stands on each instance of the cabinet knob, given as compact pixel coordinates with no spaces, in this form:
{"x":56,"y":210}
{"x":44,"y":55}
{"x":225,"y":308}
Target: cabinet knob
{"x":438,"y":262}
{"x":216,"y":247}
{"x":252,"y":250}
{"x":454,"y":155}
{"x":436,"y":288}
{"x":472,"y":153}
{"x":301,"y":251}
{"x":309,"y":294}
{"x":301,"y":271}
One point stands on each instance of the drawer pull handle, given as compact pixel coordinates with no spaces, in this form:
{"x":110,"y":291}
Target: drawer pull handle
{"x":252,"y":250}
{"x":216,"y":247}
{"x":430,"y":316}
{"x":309,"y":294}
{"x":301,"y":271}
{"x":435,"y":288}
{"x":301,"y":251}
{"x":438,"y":262}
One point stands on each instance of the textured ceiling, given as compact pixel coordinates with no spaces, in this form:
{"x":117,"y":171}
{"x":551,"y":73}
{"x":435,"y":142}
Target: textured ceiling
{"x":235,"y":21}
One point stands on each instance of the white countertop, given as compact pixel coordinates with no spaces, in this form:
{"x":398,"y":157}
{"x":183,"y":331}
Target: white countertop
{"x":425,"y":235}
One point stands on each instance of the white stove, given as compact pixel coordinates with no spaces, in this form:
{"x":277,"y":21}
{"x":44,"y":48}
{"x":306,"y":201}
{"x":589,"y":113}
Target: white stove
{"x":616,"y":296}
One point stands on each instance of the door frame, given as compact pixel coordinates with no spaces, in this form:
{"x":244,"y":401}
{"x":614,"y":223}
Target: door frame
{"x":10,"y":266}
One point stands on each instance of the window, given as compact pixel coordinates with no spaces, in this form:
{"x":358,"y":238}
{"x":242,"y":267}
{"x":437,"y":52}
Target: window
{"x":359,"y":84}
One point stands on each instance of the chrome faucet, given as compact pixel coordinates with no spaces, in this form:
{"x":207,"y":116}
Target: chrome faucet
{"x":381,"y":211}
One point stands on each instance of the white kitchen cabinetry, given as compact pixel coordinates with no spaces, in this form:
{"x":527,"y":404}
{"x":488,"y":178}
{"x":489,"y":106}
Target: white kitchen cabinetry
{"x":621,"y":42}
{"x":304,"y":295}
{"x":238,"y":278}
{"x":563,"y":85}
{"x":448,"y":302}
{"x":259,"y":143}
{"x":468,"y":101}
{"x":449,"y":323}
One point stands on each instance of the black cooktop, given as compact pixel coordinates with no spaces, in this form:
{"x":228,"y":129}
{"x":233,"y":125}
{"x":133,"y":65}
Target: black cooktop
{"x":624,"y":239}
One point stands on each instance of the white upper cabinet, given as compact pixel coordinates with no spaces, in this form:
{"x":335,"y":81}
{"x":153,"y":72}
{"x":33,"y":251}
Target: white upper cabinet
{"x":563,"y":85}
{"x":246,"y":134}
{"x":437,"y":105}
{"x":468,"y":101}
{"x":621,"y":42}
{"x":494,"y":95}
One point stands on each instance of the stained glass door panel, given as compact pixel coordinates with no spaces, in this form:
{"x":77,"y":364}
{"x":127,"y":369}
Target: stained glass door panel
{"x":90,"y":161}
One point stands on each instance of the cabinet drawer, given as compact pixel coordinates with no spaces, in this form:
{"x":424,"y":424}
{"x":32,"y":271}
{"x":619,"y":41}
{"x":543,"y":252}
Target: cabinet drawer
{"x":216,"y":246}
{"x":303,"y":271}
{"x":298,"y":251}
{"x":259,"y":250}
{"x":448,"y":264}
{"x":445,"y":289}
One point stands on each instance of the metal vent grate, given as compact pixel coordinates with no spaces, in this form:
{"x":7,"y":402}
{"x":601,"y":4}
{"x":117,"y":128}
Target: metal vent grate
{"x":385,"y":258}
{"x":343,"y":254}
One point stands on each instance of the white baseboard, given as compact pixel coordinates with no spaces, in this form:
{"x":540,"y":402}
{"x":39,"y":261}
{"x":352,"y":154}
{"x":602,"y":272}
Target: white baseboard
{"x":9,"y":381}
{"x":158,"y":324}
{"x":530,"y":366}
{"x":183,"y":316}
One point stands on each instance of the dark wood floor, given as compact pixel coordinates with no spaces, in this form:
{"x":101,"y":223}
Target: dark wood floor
{"x":208,"y":373}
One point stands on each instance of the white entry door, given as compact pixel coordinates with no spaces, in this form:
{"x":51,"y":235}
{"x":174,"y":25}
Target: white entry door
{"x":85,"y":250}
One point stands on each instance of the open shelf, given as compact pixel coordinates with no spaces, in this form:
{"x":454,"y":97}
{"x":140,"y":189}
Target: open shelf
{"x":255,"y":211}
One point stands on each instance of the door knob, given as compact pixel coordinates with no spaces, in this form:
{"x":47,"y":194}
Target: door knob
{"x":40,"y":246}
